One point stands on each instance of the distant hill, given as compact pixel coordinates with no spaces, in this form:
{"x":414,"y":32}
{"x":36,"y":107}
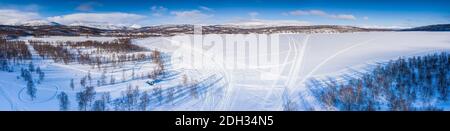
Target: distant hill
{"x":439,"y":27}
{"x":47,"y":29}
{"x":38,"y":29}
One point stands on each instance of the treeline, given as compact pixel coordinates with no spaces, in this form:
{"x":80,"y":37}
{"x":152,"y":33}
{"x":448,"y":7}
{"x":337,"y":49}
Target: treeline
{"x":14,"y":50}
{"x":416,"y":83}
{"x":114,"y":59}
{"x":115,"y":46}
{"x":27,"y":75}
{"x":94,"y":53}
{"x":56,"y":52}
{"x":131,"y":99}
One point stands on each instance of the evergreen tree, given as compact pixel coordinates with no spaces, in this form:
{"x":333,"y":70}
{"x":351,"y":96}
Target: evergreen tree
{"x":99,"y":105}
{"x":31,"y":66}
{"x":41,"y":76}
{"x":63,"y":101}
{"x":31,"y":90}
{"x":72,"y":85}
{"x":85,"y":97}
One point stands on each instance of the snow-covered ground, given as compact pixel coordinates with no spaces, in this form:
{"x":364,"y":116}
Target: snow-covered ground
{"x":67,"y":38}
{"x":302,"y":56}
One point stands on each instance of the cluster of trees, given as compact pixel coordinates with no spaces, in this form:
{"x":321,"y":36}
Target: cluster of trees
{"x":56,"y":52}
{"x":85,"y":98}
{"x":157,"y":59}
{"x":4,"y":65}
{"x":103,"y":80}
{"x":115,"y":46}
{"x":397,"y":85}
{"x":131,"y":99}
{"x":12,"y":50}
{"x":134,"y":99}
{"x":115,"y":52}
{"x":27,"y":75}
{"x":113,"y":59}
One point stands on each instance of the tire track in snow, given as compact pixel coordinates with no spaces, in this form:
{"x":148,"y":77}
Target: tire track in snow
{"x":304,"y":93}
{"x":226,"y":102}
{"x":8,"y":98}
{"x":19,"y":95}
{"x":294,"y":70}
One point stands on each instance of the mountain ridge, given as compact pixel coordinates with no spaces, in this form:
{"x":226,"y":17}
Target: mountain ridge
{"x":41,"y":28}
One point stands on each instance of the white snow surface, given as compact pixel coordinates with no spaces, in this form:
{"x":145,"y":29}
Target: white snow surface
{"x":303,"y":56}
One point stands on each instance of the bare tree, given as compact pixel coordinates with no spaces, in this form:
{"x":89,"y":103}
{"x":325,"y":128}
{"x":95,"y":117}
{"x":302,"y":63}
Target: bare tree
{"x":112,"y":80}
{"x":170,"y":95}
{"x":83,"y":82}
{"x":89,"y":77}
{"x":145,"y":101}
{"x":157,"y":92}
{"x":103,"y":77}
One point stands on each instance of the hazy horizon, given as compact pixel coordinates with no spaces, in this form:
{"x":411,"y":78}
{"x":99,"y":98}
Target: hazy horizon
{"x":374,"y":14}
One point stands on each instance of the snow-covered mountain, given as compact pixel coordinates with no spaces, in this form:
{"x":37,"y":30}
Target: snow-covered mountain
{"x":257,"y":23}
{"x":38,"y":23}
{"x":107,"y":26}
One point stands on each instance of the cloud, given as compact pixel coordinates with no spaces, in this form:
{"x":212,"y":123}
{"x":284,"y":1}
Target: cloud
{"x":261,"y":22}
{"x":321,"y":13}
{"x":89,"y":6}
{"x":12,"y":17}
{"x":365,"y":18}
{"x":84,"y":8}
{"x":253,"y":14}
{"x":308,"y":12}
{"x":343,"y":16}
{"x":318,"y":12}
{"x":158,"y":10}
{"x":298,"y":13}
{"x":191,"y":16}
{"x":116,"y":18}
{"x":205,"y":8}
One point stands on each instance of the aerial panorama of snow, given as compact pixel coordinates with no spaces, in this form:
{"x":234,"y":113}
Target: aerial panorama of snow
{"x":300,"y":57}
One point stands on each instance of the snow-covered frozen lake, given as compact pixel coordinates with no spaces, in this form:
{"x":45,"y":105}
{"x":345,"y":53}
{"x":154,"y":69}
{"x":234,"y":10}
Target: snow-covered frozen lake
{"x":302,"y":56}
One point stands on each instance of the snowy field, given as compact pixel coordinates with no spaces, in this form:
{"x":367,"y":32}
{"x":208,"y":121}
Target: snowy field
{"x":302,"y":56}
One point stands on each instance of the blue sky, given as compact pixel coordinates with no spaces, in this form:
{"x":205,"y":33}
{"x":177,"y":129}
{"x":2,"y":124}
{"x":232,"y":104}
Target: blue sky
{"x":370,"y":13}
